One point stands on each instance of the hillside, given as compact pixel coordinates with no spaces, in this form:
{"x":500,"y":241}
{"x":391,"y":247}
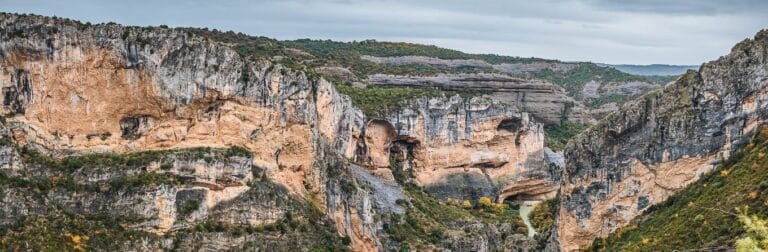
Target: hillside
{"x":703,"y":215}
{"x":654,"y":69}
{"x":658,"y":144}
{"x":363,"y":64}
{"x":155,"y":138}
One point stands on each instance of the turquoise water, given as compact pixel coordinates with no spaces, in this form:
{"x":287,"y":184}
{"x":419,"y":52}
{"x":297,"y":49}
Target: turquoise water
{"x":525,"y":211}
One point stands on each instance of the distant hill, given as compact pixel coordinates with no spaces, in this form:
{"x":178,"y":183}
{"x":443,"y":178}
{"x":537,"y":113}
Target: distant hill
{"x":653,"y":69}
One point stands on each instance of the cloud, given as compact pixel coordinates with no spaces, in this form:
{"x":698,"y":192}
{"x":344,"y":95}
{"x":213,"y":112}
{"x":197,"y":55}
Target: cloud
{"x":612,"y":31}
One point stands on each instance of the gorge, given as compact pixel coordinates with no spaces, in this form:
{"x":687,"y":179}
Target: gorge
{"x":157,"y":138}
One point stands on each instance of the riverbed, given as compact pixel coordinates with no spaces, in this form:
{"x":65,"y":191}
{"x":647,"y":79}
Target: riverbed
{"x":525,"y":212}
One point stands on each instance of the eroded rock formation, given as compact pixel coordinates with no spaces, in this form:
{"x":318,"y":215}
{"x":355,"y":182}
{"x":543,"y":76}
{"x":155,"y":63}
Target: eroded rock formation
{"x":460,"y":148}
{"x":545,"y":102}
{"x":71,"y":89}
{"x":662,"y":142}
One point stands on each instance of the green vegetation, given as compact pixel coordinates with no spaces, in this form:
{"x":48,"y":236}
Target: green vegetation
{"x":428,"y":219}
{"x":700,"y":216}
{"x":377,"y":101}
{"x":557,"y":136}
{"x":543,"y":215}
{"x":64,"y":168}
{"x":68,"y":232}
{"x":661,"y":79}
{"x":573,"y":81}
{"x":306,"y":55}
{"x":756,"y":228}
{"x":188,"y":207}
{"x":238,"y":151}
{"x":605,"y":99}
{"x":254,"y":47}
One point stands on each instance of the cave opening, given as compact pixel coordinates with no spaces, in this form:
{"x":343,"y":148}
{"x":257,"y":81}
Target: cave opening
{"x":402,"y":157}
{"x":510,"y":125}
{"x":516,"y":200}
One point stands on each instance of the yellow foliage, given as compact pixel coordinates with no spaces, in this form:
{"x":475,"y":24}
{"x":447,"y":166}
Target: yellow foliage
{"x":485,"y":202}
{"x":724,"y":173}
{"x":77,"y":241}
{"x":753,"y":195}
{"x":646,"y":241}
{"x":466,"y":204}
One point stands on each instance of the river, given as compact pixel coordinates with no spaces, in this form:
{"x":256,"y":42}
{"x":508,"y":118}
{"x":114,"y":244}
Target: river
{"x":525,"y":211}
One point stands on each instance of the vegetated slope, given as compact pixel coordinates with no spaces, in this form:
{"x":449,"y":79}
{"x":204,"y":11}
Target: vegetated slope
{"x":654,"y":69}
{"x":105,"y":202}
{"x":702,"y":216}
{"x":655,"y":146}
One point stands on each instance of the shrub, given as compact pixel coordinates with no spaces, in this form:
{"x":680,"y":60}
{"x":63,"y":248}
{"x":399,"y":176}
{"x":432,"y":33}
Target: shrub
{"x":238,"y":151}
{"x":466,"y":204}
{"x":485,"y":202}
{"x":557,"y":136}
{"x":189,"y":206}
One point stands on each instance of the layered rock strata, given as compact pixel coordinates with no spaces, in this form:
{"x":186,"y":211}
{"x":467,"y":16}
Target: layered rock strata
{"x":72,"y":89}
{"x":658,"y":144}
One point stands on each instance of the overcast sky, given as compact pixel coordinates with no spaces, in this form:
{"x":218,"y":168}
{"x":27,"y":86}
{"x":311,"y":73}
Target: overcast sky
{"x":609,"y":31}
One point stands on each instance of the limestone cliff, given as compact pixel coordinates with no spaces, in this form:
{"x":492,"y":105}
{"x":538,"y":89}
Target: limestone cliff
{"x":461,"y":148}
{"x":216,"y":139}
{"x":658,"y":144}
{"x":551,"y":91}
{"x":545,"y":102}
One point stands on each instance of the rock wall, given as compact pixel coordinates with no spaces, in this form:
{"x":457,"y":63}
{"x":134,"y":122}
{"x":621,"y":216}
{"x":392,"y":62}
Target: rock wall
{"x":460,"y":148}
{"x":543,"y":101}
{"x":660,"y":143}
{"x":71,"y":89}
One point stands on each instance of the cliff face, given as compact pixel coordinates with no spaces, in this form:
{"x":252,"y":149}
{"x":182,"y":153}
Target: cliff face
{"x":76,"y":88}
{"x":545,"y":102}
{"x":658,"y":144}
{"x":460,"y":148}
{"x":277,"y":144}
{"x":584,"y":91}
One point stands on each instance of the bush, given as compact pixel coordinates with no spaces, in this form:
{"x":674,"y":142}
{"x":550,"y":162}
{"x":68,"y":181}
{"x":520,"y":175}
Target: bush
{"x":542,"y":217}
{"x":189,"y":206}
{"x":557,"y":136}
{"x":466,"y":204}
{"x":238,"y":151}
{"x":485,"y":202}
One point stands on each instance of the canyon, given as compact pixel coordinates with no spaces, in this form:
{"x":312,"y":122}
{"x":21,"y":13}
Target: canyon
{"x":170,"y":138}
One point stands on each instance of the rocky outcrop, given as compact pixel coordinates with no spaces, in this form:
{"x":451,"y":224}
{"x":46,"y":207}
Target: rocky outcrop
{"x":658,"y":144}
{"x":108,"y":88}
{"x":72,"y":89}
{"x":458,"y":148}
{"x":511,"y":68}
{"x":545,"y":102}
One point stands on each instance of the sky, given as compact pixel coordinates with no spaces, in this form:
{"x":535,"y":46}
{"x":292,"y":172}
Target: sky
{"x":608,"y":31}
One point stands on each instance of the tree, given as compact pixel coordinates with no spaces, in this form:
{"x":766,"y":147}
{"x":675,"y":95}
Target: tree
{"x":756,"y":239}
